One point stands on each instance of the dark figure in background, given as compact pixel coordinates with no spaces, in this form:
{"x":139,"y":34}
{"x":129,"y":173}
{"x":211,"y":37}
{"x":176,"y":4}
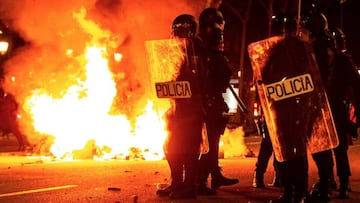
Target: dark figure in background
{"x":314,"y":27}
{"x":218,"y":77}
{"x":185,"y":119}
{"x":8,"y":104}
{"x":8,"y":118}
{"x":339,"y":75}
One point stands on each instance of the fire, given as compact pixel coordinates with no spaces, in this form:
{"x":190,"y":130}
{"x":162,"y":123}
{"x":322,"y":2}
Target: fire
{"x":81,"y":85}
{"x":78,"y":120}
{"x":82,"y":114}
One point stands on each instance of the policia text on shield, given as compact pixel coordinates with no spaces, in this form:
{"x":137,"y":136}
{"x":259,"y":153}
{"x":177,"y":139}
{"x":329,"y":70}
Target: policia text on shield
{"x":175,"y":89}
{"x":290,"y":87}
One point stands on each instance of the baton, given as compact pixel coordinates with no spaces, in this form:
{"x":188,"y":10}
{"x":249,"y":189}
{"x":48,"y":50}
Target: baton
{"x":239,"y":101}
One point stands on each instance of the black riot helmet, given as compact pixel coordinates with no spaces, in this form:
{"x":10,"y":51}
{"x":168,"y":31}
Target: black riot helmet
{"x":212,"y":36}
{"x":325,"y":40}
{"x":184,"y":26}
{"x":324,"y":47}
{"x":210,"y":16}
{"x":283,"y":24}
{"x":339,"y":37}
{"x":315,"y":22}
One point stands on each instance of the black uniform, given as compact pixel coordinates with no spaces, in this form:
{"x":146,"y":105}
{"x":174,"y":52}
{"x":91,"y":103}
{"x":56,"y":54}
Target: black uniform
{"x":323,"y":160}
{"x":324,"y":163}
{"x":339,"y":75}
{"x":185,"y":118}
{"x":293,"y":172}
{"x":218,"y":77}
{"x":184,"y":123}
{"x":215,"y":106}
{"x":292,"y":128}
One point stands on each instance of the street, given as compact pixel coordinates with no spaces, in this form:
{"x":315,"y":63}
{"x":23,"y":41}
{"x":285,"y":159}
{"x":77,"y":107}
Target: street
{"x":33,"y":179}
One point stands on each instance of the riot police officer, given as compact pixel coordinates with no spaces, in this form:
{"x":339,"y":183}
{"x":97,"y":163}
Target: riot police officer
{"x":211,"y":25}
{"x":277,"y":62}
{"x":294,"y":171}
{"x":314,"y":26}
{"x":339,"y":75}
{"x":185,"y":118}
{"x":266,"y":149}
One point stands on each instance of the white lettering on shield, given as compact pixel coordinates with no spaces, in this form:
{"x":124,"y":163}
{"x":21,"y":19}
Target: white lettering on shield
{"x":176,"y":89}
{"x":290,"y":87}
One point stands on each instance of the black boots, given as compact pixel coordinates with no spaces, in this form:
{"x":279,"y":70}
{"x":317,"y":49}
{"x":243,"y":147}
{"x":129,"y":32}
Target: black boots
{"x":202,"y":189}
{"x":287,"y":196}
{"x":178,"y":191}
{"x":222,"y":181}
{"x":343,"y":188}
{"x":165,"y":192}
{"x":218,"y":180}
{"x":319,"y":193}
{"x":258,"y":181}
{"x":276,"y":182}
{"x":170,"y":191}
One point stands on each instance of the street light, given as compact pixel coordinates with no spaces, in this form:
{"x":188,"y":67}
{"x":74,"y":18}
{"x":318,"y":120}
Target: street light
{"x":4,"y":46}
{"x":4,"y":42}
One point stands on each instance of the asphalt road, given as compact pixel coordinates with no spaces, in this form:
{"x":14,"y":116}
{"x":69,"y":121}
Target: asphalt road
{"x":31,"y":179}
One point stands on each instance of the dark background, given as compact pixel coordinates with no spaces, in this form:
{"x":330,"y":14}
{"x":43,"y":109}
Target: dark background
{"x":344,"y":15}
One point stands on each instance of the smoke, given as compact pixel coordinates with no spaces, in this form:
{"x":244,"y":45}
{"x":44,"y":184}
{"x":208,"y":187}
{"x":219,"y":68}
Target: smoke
{"x":52,"y":28}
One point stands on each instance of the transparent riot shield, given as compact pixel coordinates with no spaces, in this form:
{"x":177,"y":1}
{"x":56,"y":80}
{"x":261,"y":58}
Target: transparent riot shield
{"x":164,"y":61}
{"x":292,"y":96}
{"x":165,"y":58}
{"x":175,"y":90}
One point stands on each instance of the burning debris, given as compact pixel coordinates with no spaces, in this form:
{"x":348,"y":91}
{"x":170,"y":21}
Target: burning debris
{"x":233,"y":143}
{"x":114,"y":188}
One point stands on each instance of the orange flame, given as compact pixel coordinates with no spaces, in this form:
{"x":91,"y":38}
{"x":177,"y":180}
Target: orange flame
{"x":84,"y":110}
{"x":80,"y":120}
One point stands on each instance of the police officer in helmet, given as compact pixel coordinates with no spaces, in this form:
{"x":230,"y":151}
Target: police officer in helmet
{"x":293,"y":169}
{"x":340,"y":76}
{"x":185,"y":118}
{"x":184,"y":26}
{"x":266,"y":149}
{"x":314,"y":25}
{"x":211,"y":24}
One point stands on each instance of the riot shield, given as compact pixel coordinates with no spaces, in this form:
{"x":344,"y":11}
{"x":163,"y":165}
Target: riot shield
{"x":292,"y":96}
{"x":165,"y":58}
{"x":175,"y":77}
